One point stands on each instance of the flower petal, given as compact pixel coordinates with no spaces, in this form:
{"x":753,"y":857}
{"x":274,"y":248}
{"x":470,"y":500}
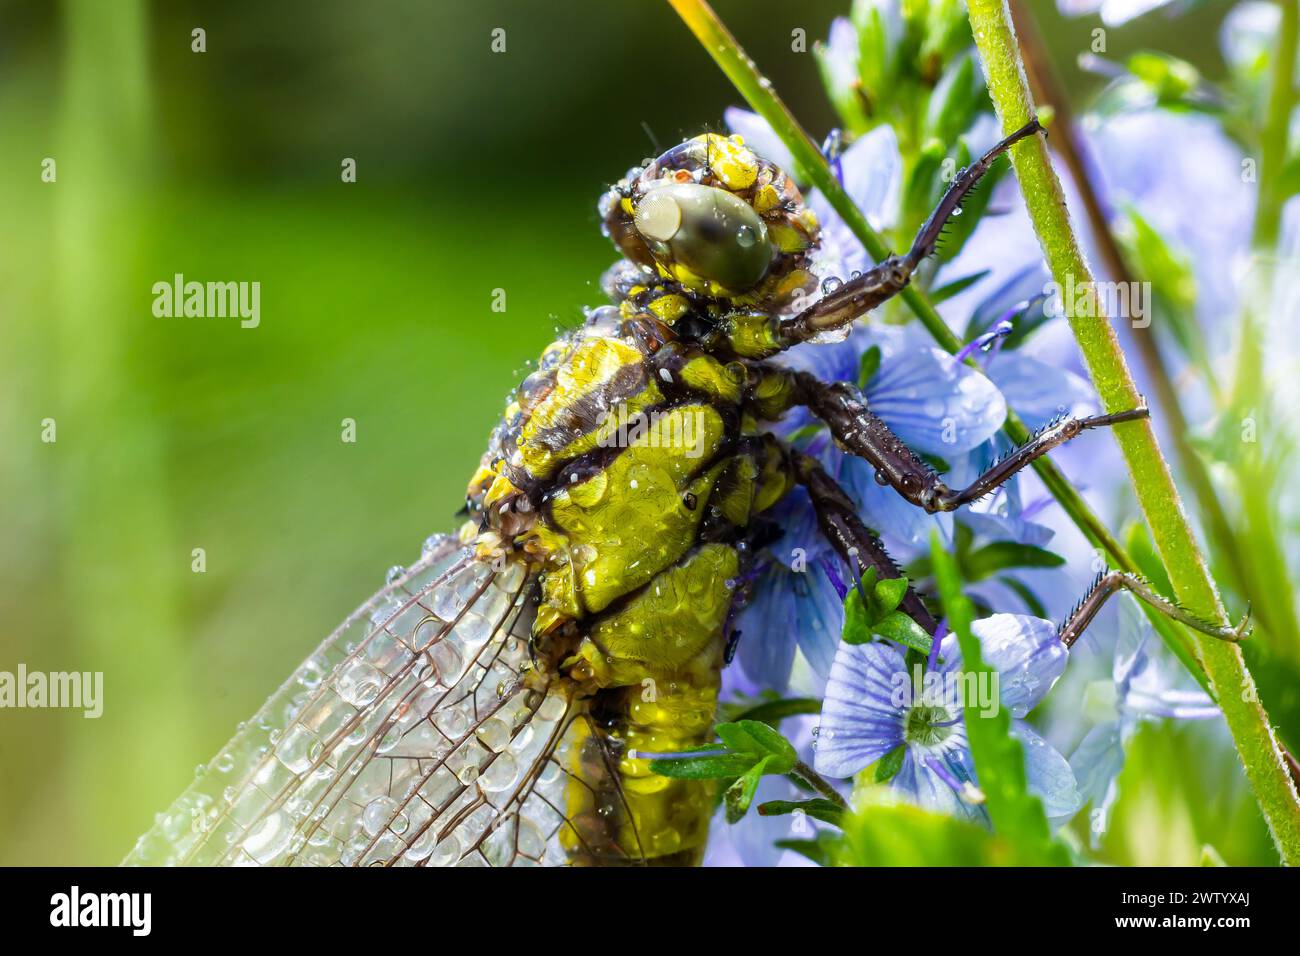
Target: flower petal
{"x":1040,"y":392}
{"x":1096,"y":763}
{"x":1248,"y":32}
{"x":935,"y":403}
{"x":873,"y":175}
{"x":819,"y":619}
{"x":767,"y":636}
{"x":1048,"y":774}
{"x":1117,"y":12}
{"x":883,"y":509}
{"x":1149,"y":682}
{"x":989,"y":526}
{"x":1027,"y":655}
{"x":859,"y":722}
{"x":841,"y":54}
{"x":921,"y":784}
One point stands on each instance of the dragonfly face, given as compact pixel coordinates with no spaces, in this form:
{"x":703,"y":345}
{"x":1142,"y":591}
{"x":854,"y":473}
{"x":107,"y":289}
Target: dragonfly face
{"x":718,"y":220}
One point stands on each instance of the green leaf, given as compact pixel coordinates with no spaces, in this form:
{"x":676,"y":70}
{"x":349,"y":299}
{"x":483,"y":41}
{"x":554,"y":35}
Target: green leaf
{"x":950,"y":289}
{"x":772,"y":742}
{"x":704,"y":768}
{"x":887,"y":831}
{"x":878,"y":64}
{"x":824,"y":849}
{"x":1211,"y":857}
{"x":897,"y":626}
{"x":741,"y":793}
{"x":737,"y":739}
{"x":857,"y":624}
{"x":1173,"y":283}
{"x":999,"y":555}
{"x":869,"y":367}
{"x":924,"y":187}
{"x":1032,"y":604}
{"x":818,"y":808}
{"x":946,"y":31}
{"x":961,"y":227}
{"x":1149,"y":565}
{"x":772,"y":712}
{"x":890,"y":593}
{"x":1170,"y":78}
{"x":934,"y":461}
{"x":755,"y":738}
{"x":869,"y":581}
{"x":806,"y":432}
{"x":887,"y":767}
{"x":999,"y":757}
{"x":956,"y":99}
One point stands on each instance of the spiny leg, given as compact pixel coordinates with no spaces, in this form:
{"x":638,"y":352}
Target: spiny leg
{"x":859,"y":296}
{"x":1111,"y":582}
{"x":860,"y":432}
{"x":857,"y":545}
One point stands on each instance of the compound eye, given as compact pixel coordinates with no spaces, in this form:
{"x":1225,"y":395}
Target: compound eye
{"x":710,"y":231}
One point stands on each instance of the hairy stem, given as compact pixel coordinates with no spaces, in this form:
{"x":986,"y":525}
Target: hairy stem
{"x":1158,"y":497}
{"x":1047,"y":89}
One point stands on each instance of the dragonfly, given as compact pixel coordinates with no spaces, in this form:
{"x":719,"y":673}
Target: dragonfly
{"x":488,"y":704}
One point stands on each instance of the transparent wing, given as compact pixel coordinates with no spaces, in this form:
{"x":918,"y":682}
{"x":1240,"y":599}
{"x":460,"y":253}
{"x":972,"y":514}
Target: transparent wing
{"x":407,"y":737}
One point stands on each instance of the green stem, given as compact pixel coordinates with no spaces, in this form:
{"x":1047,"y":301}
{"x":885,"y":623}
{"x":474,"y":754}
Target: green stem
{"x":1046,"y":87}
{"x":1152,"y":481}
{"x":811,"y":167}
{"x":1281,"y":103}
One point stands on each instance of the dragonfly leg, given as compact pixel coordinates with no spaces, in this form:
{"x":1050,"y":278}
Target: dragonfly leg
{"x":844,"y":410}
{"x":1111,"y":582}
{"x":859,"y":296}
{"x":855,"y":542}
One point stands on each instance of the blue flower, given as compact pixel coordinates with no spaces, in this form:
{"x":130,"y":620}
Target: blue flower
{"x":794,"y":605}
{"x":1146,"y":684}
{"x":935,"y":404}
{"x":871,"y":709}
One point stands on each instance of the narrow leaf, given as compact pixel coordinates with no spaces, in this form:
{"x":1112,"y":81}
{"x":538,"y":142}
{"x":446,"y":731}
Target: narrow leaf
{"x":897,"y":626}
{"x":741,"y":793}
{"x":818,"y":808}
{"x":704,"y":768}
{"x":999,"y":757}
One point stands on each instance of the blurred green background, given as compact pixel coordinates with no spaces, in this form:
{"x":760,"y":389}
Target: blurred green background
{"x":476,"y":171}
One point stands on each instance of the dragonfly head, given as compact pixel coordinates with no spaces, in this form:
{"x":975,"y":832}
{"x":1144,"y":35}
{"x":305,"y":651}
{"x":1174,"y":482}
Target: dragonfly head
{"x":715,"y":217}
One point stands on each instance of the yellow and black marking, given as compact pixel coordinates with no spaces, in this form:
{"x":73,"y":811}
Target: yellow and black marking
{"x":630,"y":469}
